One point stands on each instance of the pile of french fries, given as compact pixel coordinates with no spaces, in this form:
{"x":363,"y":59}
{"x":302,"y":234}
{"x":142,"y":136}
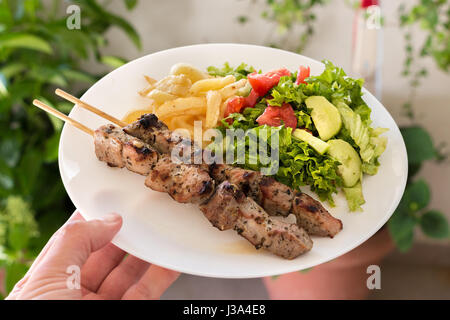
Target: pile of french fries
{"x":186,"y":95}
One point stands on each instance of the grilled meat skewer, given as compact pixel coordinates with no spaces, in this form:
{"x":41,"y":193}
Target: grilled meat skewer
{"x":278,"y":199}
{"x":191,"y":184}
{"x":184,"y":183}
{"x":275,"y":197}
{"x":229,"y":208}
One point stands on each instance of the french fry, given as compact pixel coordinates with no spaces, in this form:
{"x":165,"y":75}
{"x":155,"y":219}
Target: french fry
{"x":213,"y":102}
{"x":190,"y":71}
{"x":150,"y":80}
{"x":151,"y":84}
{"x":160,"y":96}
{"x":206,"y":85}
{"x":188,"y":95}
{"x":182,"y":106}
{"x":177,"y":85}
{"x":231,"y":89}
{"x":133,"y":115}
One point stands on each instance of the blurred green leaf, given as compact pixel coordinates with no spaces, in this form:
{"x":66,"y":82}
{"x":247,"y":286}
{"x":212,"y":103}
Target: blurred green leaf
{"x":14,"y":271}
{"x":3,"y":86}
{"x":402,"y":223}
{"x":131,"y":4}
{"x":20,"y":222}
{"x":116,"y":21}
{"x":28,"y":170}
{"x":419,"y":145}
{"x":419,"y":195}
{"x":24,"y":41}
{"x":404,"y":240}
{"x":434,"y":224}
{"x":78,"y":76}
{"x":401,"y":228}
{"x":6,"y":179}
{"x":113,"y":61}
{"x":12,"y":69}
{"x":10,"y":149}
{"x":51,"y":148}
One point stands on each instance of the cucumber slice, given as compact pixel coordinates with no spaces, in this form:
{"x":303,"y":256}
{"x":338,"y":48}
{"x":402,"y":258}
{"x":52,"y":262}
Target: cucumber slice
{"x":325,"y":116}
{"x":315,"y":143}
{"x":350,"y":168}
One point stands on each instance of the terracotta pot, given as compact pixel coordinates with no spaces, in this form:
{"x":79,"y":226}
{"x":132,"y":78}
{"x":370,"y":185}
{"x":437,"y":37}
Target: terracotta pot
{"x":342,"y":278}
{"x":2,"y":282}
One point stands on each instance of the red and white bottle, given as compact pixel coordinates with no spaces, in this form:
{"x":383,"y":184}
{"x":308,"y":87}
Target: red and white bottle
{"x":367,"y":51}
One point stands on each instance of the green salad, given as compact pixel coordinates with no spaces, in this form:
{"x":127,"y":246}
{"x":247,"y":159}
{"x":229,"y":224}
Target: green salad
{"x":326,"y":139}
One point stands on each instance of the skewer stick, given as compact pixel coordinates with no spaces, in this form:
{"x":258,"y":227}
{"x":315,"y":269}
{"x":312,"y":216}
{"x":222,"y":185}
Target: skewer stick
{"x":63,"y":117}
{"x":87,"y":106}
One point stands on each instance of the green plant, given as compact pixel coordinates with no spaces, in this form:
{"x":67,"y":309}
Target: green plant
{"x":412,"y":210}
{"x":294,"y":20}
{"x":38,"y":53}
{"x":433,"y":17}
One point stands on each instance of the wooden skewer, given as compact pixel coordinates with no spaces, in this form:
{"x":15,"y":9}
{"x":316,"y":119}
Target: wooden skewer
{"x":63,"y":117}
{"x":87,"y":106}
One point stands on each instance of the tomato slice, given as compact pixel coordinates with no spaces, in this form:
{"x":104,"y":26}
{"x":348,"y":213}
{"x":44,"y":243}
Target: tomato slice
{"x":235,"y":105}
{"x":273,"y":116}
{"x":262,"y":83}
{"x":251,"y":99}
{"x":303,"y":73}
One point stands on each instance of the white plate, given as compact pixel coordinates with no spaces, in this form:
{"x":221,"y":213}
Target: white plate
{"x":177,"y":236}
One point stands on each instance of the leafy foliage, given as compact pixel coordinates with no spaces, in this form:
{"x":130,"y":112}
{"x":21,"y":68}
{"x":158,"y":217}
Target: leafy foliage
{"x":289,"y":16}
{"x":433,"y":18}
{"x":239,"y":72}
{"x":38,"y":53}
{"x":412,"y":210}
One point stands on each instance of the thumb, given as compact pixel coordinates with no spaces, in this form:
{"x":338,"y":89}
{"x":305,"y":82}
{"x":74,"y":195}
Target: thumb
{"x":77,"y":239}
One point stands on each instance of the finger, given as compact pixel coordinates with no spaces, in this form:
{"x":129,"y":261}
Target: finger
{"x":99,"y":265}
{"x":77,"y":239}
{"x":152,"y":284}
{"x":127,"y":273}
{"x":19,"y":285}
{"x":76,"y":216}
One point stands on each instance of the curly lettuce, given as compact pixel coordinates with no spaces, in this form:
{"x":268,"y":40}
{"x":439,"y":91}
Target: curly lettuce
{"x":298,"y":164}
{"x":368,"y":140}
{"x":240,"y":72}
{"x":355,"y":197}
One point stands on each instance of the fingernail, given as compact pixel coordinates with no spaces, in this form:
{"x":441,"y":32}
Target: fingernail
{"x":111,"y":218}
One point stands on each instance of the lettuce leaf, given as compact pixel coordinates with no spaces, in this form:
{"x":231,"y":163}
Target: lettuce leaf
{"x":368,"y":140}
{"x":355,"y":197}
{"x":298,"y":164}
{"x":287,"y":92}
{"x":240,"y":72}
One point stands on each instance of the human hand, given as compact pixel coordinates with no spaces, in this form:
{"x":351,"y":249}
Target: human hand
{"x":105,"y":270}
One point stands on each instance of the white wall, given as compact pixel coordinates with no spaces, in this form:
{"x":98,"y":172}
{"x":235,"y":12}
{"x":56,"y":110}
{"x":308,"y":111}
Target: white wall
{"x":166,"y":24}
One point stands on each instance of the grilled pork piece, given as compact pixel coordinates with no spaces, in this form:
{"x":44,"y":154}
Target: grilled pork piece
{"x":184,"y":183}
{"x":313,"y":217}
{"x":119,"y":149}
{"x":155,"y":132}
{"x":278,"y":199}
{"x":275,"y":197}
{"x":229,"y":208}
